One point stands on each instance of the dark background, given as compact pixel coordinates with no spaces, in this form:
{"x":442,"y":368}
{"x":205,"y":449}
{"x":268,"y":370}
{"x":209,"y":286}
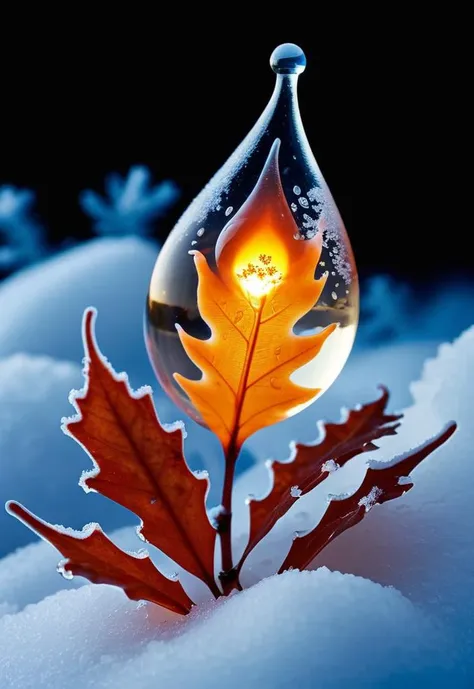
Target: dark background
{"x":179,"y":96}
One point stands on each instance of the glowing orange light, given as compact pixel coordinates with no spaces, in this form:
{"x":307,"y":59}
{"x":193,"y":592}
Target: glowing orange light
{"x":259,"y":276}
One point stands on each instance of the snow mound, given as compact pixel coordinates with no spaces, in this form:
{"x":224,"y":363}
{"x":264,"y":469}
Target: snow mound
{"x":7,"y":609}
{"x":42,"y":306}
{"x":39,"y":465}
{"x":423,"y":543}
{"x":30,"y":573}
{"x":301,"y":629}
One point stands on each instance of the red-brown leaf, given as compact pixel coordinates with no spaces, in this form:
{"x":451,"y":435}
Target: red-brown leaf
{"x":306,"y":469}
{"x":381,"y":483}
{"x":94,"y":556}
{"x":141,"y":465}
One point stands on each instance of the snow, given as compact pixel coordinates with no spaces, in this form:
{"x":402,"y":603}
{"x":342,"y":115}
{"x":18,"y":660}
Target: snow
{"x":42,"y":306}
{"x":30,"y":573}
{"x":423,"y":543}
{"x":292,"y":630}
{"x":39,"y":465}
{"x":319,"y":628}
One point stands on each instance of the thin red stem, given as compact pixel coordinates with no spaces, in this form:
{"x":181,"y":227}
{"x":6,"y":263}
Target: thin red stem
{"x":229,"y":577}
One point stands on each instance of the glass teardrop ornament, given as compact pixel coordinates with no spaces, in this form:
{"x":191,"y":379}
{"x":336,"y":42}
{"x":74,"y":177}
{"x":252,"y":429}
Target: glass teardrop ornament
{"x":264,"y":214}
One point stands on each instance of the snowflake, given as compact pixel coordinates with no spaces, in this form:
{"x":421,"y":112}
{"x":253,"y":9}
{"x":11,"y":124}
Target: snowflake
{"x":21,"y":236}
{"x":132,"y":205}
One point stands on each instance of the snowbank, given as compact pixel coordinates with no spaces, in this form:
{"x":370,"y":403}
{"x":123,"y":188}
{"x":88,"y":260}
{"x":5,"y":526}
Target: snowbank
{"x":30,"y":573}
{"x":39,"y":465}
{"x":319,"y":629}
{"x":42,"y":306}
{"x":423,"y":543}
{"x":313,"y":629}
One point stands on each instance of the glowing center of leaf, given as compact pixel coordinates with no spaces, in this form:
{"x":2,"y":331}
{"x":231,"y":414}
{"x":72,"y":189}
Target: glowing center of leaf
{"x":260,"y":276}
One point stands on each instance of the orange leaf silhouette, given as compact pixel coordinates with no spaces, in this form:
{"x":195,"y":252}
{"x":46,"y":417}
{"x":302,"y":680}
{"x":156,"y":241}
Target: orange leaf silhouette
{"x":92,"y":555}
{"x":383,"y":481}
{"x":263,"y":285}
{"x":308,"y":466}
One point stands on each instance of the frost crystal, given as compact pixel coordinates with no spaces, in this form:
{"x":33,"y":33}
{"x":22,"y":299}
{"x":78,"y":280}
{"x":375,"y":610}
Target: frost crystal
{"x":21,"y":236}
{"x":132,"y":203}
{"x":311,"y":225}
{"x":216,"y":513}
{"x":328,"y":216}
{"x":330,"y":466}
{"x":316,"y":195}
{"x":295,"y":492}
{"x":369,"y":501}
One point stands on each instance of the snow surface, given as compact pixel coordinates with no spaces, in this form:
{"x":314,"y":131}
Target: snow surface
{"x":29,"y":574}
{"x":318,"y":629}
{"x":42,"y":306}
{"x":312,"y":629}
{"x":39,"y":465}
{"x":423,"y":543}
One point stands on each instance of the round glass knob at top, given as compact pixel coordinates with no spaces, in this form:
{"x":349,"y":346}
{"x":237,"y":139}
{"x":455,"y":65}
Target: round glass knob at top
{"x":288,"y":59}
{"x":172,"y":297}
